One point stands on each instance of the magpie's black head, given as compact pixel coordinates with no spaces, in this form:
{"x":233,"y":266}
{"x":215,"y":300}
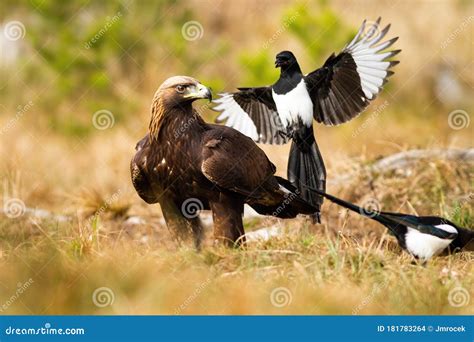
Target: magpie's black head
{"x":285,"y":60}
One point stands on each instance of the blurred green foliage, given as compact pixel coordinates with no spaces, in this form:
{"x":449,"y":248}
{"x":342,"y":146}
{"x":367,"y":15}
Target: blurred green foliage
{"x":81,"y":56}
{"x":461,"y":214}
{"x":87,"y":56}
{"x":258,"y":68}
{"x":319,"y":32}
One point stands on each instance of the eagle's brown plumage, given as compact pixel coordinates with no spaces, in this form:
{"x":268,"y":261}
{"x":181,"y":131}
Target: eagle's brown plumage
{"x":184,"y":159}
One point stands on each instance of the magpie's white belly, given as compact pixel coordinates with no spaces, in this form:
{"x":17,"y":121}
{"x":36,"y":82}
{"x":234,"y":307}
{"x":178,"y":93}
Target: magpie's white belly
{"x":423,"y":245}
{"x":294,"y":105}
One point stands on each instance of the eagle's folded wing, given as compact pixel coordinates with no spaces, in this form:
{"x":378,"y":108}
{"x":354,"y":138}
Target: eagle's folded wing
{"x":241,"y":169}
{"x":139,"y":173}
{"x":252,"y":111}
{"x":343,"y":87}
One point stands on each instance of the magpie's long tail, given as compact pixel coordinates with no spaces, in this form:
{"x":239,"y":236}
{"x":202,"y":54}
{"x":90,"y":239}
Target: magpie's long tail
{"x":376,"y":216}
{"x":339,"y":201}
{"x":347,"y":205}
{"x":306,"y":168}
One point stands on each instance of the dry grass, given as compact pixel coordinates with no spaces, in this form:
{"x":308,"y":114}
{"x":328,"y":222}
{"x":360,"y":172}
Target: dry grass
{"x":347,"y":265}
{"x":323,"y":274}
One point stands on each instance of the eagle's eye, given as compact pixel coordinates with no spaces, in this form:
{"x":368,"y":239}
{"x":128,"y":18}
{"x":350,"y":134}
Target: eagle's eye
{"x":180,"y":89}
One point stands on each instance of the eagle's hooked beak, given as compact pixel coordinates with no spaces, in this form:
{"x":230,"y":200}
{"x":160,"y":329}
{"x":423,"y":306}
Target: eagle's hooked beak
{"x":199,"y":91}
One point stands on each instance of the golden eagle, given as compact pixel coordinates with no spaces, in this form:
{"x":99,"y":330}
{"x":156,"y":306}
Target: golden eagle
{"x":185,"y":164}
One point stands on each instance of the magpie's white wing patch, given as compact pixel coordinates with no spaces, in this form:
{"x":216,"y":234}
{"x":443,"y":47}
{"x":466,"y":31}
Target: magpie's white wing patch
{"x":234,"y":116}
{"x":447,"y":228}
{"x":372,"y":67}
{"x":252,"y":111}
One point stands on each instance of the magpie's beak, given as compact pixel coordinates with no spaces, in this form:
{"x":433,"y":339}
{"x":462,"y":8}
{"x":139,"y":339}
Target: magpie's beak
{"x":279,"y":62}
{"x":198,"y":91}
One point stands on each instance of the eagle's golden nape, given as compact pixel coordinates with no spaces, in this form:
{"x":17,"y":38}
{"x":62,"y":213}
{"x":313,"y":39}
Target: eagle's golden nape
{"x":183,"y":159}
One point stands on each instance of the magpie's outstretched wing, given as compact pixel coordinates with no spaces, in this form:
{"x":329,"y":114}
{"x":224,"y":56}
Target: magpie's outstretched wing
{"x":253,"y":112}
{"x":345,"y":84}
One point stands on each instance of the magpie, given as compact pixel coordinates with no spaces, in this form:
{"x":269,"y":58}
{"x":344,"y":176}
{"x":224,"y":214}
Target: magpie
{"x":421,"y":236}
{"x":333,"y":94}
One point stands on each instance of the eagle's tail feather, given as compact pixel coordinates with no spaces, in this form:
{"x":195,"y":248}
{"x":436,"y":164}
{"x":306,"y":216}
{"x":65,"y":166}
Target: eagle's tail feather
{"x":306,"y":170}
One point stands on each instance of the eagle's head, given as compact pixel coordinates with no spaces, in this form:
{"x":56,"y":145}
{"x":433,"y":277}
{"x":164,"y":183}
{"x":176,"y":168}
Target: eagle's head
{"x":285,"y":59}
{"x":178,"y":90}
{"x":173,"y":97}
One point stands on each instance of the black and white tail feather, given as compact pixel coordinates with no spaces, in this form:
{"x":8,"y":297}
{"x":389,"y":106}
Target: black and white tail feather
{"x":306,"y":168}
